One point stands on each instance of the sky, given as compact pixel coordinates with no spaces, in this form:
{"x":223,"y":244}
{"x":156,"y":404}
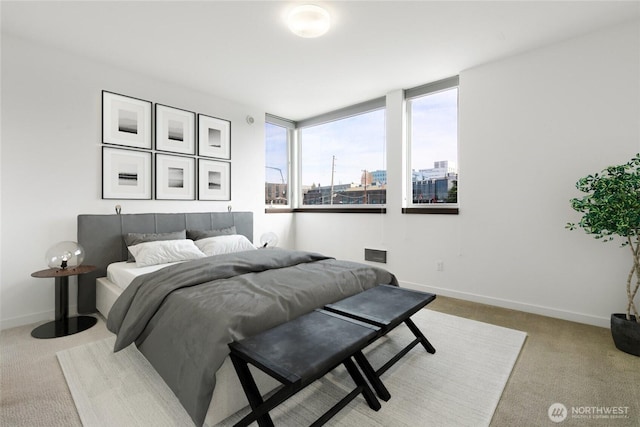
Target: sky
{"x":434,"y":135}
{"x":276,"y":154}
{"x":358,"y":143}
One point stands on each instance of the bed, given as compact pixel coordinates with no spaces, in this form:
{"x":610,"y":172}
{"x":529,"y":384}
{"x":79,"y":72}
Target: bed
{"x":182,"y":315}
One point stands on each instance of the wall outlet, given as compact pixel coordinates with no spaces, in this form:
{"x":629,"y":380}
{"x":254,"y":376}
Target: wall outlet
{"x":440,"y":265}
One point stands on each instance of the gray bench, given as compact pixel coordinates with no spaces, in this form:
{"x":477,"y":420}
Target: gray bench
{"x":386,"y":307}
{"x":299,"y":352}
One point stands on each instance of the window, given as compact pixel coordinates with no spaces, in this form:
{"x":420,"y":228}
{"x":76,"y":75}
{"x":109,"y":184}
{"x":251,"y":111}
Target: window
{"x":433,"y":144}
{"x":342,"y":157}
{"x":278,"y":133}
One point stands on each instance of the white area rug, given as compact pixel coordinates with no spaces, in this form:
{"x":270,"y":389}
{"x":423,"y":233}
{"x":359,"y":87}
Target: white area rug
{"x":460,"y":385}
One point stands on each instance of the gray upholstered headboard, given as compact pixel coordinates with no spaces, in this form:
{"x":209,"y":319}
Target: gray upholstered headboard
{"x":101,"y":238}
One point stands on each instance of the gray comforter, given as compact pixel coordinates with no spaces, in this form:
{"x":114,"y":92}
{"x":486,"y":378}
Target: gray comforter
{"x":183,"y":316}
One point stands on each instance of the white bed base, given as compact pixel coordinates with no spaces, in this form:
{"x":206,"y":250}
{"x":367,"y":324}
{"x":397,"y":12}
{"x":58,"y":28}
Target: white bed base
{"x":228,"y":396}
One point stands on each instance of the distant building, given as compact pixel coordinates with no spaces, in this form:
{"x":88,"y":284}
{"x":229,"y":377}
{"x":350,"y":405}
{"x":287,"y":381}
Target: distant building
{"x":317,"y":195}
{"x":275,"y":194}
{"x":379,"y":177}
{"x":436,"y":185}
{"x":441,"y":169}
{"x":433,"y":191}
{"x":366,"y":178}
{"x":346,"y":194}
{"x":363,"y":195}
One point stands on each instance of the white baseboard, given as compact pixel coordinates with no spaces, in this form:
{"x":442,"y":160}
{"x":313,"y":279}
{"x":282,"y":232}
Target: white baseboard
{"x":604,"y":322}
{"x":41,"y":317}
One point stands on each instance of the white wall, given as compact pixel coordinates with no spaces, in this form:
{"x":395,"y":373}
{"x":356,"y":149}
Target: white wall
{"x":530,"y":126}
{"x":51,"y":163}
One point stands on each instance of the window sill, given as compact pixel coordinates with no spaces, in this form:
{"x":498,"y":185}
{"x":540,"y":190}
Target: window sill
{"x":342,"y":210}
{"x":432,"y":211}
{"x":409,"y":211}
{"x":278,"y":210}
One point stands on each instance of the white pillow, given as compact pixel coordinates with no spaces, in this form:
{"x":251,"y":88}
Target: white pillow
{"x":163,"y":251}
{"x":227,"y":244}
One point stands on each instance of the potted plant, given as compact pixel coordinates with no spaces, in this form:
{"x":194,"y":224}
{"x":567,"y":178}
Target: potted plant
{"x":610,"y":208}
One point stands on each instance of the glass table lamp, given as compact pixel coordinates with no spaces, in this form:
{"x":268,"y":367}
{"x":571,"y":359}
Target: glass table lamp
{"x":269,"y":239}
{"x":64,"y":255}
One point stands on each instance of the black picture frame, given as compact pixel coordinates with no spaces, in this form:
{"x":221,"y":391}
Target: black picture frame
{"x":126,"y":174}
{"x":214,"y":137}
{"x":126,"y":121}
{"x":214,"y":180}
{"x":175,"y":177}
{"x":175,"y":130}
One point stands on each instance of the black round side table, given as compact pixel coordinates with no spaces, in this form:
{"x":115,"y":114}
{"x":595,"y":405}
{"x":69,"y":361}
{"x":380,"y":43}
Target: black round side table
{"x":63,"y":325}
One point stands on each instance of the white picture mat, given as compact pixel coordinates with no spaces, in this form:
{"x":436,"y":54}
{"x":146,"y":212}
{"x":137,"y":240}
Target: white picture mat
{"x":214,"y":137}
{"x":169,"y":177}
{"x":115,"y":109}
{"x":214,"y":180}
{"x":166,"y":117}
{"x":126,"y":174}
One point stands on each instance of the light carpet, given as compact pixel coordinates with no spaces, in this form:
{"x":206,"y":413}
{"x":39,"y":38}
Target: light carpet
{"x":460,"y":385}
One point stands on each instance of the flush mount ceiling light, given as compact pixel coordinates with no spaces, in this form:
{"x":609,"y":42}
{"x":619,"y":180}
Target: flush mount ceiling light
{"x":309,"y":21}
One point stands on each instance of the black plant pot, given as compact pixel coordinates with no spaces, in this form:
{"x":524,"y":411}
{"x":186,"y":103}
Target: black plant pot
{"x":626,"y":333}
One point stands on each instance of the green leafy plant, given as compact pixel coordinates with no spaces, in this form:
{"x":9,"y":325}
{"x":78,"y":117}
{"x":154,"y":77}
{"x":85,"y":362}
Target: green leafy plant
{"x":611,"y":207}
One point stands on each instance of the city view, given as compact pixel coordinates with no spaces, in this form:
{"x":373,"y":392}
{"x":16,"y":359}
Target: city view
{"x":435,"y":185}
{"x":343,"y":161}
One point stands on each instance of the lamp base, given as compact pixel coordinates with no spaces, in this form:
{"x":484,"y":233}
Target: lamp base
{"x":64,"y":327}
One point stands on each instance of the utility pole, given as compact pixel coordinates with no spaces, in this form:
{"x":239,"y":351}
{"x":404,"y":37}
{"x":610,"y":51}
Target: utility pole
{"x":333,"y":170}
{"x":365,"y":187}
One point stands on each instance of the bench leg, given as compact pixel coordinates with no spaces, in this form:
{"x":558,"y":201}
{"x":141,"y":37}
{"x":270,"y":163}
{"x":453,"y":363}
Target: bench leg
{"x":420,"y":339}
{"x":260,"y":408}
{"x":423,"y":340}
{"x":251,"y":390}
{"x":362,"y":384}
{"x":373,"y":378}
